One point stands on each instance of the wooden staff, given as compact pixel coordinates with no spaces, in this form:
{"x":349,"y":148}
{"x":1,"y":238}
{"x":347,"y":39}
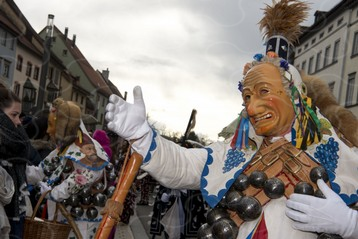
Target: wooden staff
{"x":114,"y":205}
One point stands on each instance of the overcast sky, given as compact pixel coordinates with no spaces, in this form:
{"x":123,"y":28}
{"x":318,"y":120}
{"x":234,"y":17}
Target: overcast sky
{"x":185,"y":54}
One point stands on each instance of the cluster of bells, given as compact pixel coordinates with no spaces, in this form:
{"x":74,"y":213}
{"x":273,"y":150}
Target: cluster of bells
{"x":84,"y":203}
{"x":219,"y":225}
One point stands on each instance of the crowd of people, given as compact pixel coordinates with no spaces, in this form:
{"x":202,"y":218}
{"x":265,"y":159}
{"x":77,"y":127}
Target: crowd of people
{"x":57,"y":154}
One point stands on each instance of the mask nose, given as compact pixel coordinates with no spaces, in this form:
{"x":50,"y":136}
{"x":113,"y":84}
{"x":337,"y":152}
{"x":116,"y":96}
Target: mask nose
{"x":255,"y":106}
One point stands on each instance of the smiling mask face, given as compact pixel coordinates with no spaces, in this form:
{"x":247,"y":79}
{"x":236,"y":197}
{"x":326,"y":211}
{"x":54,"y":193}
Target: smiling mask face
{"x":268,"y":106}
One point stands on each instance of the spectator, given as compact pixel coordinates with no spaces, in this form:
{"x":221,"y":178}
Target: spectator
{"x":15,"y":153}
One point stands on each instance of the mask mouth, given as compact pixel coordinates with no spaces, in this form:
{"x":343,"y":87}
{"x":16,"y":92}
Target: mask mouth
{"x":93,"y":157}
{"x":264,"y":117}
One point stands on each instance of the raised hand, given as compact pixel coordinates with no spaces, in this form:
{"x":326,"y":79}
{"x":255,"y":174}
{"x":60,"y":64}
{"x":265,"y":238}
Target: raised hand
{"x":126,"y":119}
{"x":329,"y":214}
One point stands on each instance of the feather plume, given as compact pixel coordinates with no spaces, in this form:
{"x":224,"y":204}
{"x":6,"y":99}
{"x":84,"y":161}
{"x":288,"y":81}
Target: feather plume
{"x":283,"y":18}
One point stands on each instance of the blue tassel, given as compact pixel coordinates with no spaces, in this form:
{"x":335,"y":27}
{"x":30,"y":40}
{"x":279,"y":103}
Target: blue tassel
{"x":243,"y":133}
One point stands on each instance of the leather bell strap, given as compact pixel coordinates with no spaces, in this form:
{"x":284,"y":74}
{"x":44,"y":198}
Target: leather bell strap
{"x":282,"y":160}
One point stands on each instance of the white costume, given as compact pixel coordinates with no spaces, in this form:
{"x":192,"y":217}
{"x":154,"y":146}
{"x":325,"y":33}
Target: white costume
{"x":178,"y":167}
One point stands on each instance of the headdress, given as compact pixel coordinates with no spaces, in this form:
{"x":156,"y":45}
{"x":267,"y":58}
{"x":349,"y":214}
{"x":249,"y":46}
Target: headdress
{"x":103,"y":139}
{"x":67,"y":121}
{"x":280,"y":26}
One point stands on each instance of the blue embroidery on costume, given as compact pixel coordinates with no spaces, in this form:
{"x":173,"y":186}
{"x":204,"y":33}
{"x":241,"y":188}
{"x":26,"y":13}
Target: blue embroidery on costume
{"x":233,"y":159}
{"x":153,"y":146}
{"x":327,"y":154}
{"x":93,"y":168}
{"x":213,"y":200}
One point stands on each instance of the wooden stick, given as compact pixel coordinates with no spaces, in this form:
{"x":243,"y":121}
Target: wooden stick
{"x":124,"y":183}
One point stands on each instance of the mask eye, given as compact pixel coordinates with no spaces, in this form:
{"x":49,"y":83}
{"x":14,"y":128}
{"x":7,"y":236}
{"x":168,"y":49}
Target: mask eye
{"x":246,"y":98}
{"x":264,"y":91}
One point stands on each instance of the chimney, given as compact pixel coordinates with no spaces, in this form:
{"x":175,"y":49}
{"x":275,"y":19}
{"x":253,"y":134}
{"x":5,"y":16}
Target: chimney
{"x":50,"y":25}
{"x":66,"y":33}
{"x":74,"y":40}
{"x":105,"y":74}
{"x":319,"y":15}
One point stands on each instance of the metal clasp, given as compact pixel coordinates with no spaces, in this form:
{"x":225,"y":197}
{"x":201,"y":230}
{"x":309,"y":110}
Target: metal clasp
{"x":289,"y":168}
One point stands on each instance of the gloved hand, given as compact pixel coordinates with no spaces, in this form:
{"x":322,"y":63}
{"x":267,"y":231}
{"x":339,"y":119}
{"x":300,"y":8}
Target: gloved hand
{"x":44,"y":187}
{"x":329,"y":215}
{"x":129,"y":120}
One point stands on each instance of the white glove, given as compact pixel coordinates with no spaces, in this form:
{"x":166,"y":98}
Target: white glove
{"x":129,"y":120}
{"x":125,"y":119}
{"x":330,"y":215}
{"x":44,"y":187}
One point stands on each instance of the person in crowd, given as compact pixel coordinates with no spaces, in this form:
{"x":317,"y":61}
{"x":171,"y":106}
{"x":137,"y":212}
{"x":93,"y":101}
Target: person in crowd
{"x":144,"y":188}
{"x":15,"y":153}
{"x":6,"y":192}
{"x":104,"y":140}
{"x":75,"y":171}
{"x":36,"y":129}
{"x":285,"y":173}
{"x":178,"y":213}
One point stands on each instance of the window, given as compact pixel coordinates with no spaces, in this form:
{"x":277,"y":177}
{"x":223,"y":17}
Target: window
{"x":6,"y":71}
{"x":318,"y":60}
{"x":335,"y":51}
{"x":19,"y":63}
{"x":2,"y":37}
{"x":321,"y":35}
{"x":313,"y":41}
{"x":339,"y":22}
{"x":57,"y":77}
{"x":303,"y":65}
{"x":355,"y":44}
{"x":330,"y":28}
{"x":306,"y":46}
{"x":36,"y":72}
{"x":29,"y":69}
{"x":350,"y":89}
{"x":12,"y":43}
{"x":331,"y":86}
{"x":299,"y":50}
{"x":64,"y":52}
{"x":17,"y":89}
{"x":326,"y":56}
{"x":50,"y":74}
{"x":310,"y":65}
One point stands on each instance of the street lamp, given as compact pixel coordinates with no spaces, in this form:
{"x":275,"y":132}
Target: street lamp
{"x":28,"y":96}
{"x":45,"y":61}
{"x":52,"y":91}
